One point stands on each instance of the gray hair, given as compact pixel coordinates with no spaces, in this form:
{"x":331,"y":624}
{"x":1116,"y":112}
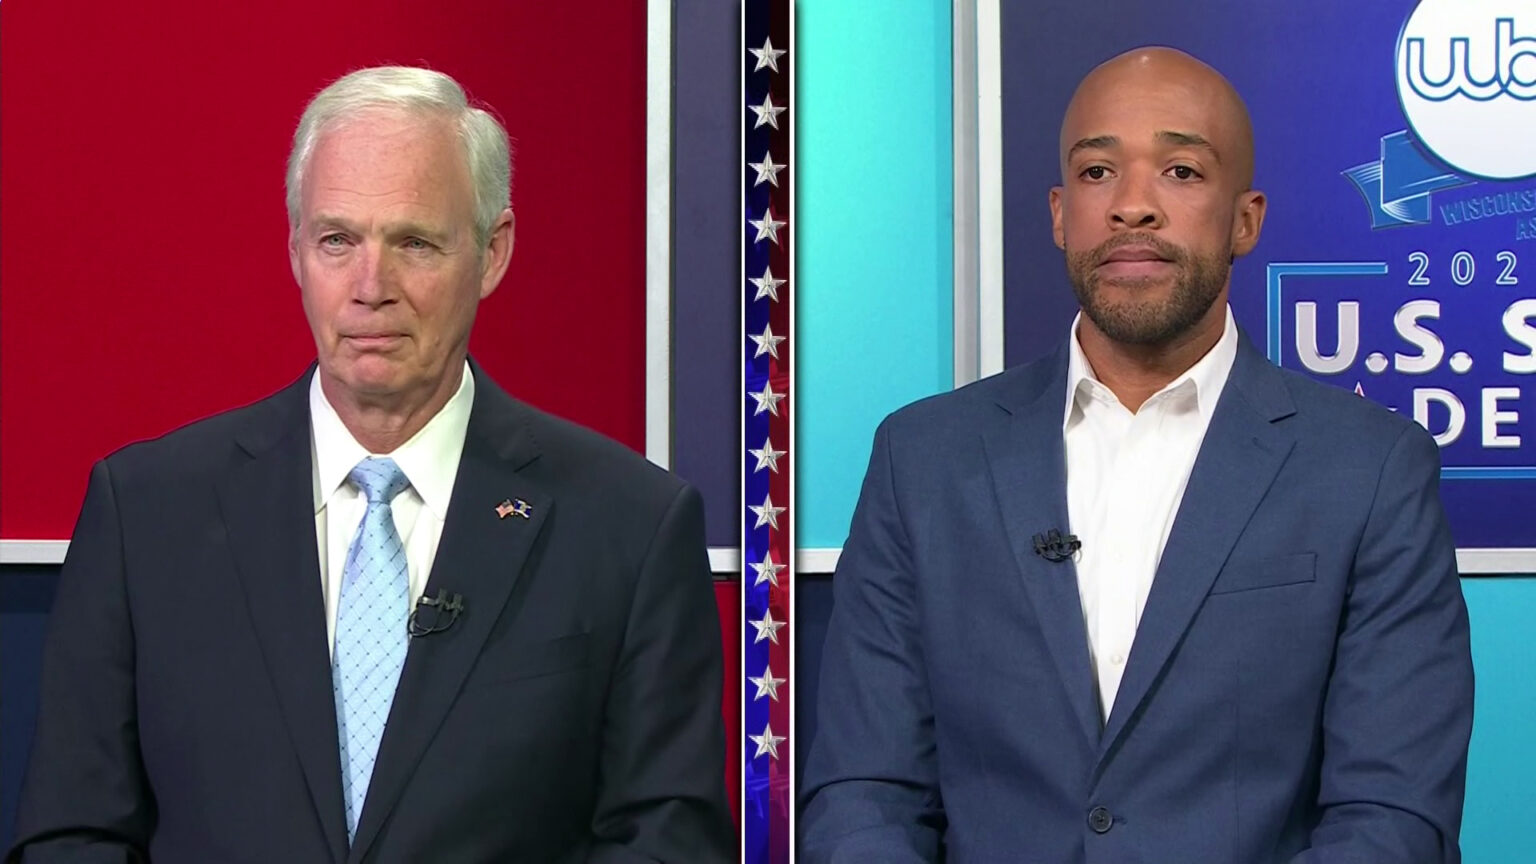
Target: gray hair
{"x":419,"y":91}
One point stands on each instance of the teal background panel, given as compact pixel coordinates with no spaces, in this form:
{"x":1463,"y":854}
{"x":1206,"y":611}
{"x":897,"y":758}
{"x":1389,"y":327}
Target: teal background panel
{"x":875,"y":323}
{"x":1496,"y":826}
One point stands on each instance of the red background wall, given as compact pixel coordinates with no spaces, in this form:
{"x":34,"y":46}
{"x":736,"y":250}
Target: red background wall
{"x":144,"y":279}
{"x":143,"y":263}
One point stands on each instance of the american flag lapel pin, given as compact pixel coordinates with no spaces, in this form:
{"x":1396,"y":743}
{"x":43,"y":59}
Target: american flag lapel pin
{"x":519,"y":507}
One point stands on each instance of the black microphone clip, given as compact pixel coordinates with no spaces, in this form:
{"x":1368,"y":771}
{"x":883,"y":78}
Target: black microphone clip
{"x":1056,"y":547}
{"x":443,"y":610}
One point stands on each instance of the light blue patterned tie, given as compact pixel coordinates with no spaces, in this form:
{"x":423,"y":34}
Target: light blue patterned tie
{"x":370,"y":630}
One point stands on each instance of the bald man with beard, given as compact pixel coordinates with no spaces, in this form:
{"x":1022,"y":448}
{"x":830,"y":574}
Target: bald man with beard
{"x":1149,"y":598}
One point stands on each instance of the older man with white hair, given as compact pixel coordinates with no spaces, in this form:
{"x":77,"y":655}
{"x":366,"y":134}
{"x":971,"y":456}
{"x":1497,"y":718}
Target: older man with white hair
{"x":388,"y":613}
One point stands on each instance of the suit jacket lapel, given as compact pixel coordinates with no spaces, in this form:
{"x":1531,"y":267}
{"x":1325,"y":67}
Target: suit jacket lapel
{"x":1238,"y":460}
{"x":267,"y":504}
{"x":479,"y":557}
{"x":1028,"y":463}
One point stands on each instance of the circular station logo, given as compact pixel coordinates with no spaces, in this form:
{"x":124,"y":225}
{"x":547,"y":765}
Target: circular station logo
{"x":1466,"y":77}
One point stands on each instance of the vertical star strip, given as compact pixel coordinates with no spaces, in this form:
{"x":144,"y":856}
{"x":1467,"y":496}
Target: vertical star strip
{"x":767,"y":333}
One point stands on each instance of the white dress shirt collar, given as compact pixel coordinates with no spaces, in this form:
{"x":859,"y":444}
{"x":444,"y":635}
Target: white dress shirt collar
{"x":1207,"y":377}
{"x":430,"y":459}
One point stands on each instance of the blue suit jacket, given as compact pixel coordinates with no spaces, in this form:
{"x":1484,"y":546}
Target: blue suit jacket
{"x":1299,"y":688}
{"x":572,"y":713}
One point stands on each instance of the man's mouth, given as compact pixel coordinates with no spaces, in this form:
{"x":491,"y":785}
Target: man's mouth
{"x":375,"y":341}
{"x":1134,"y":253}
{"x":1133,"y":261}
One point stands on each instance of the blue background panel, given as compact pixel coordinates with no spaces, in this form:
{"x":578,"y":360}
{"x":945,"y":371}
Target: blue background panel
{"x":706,"y":259}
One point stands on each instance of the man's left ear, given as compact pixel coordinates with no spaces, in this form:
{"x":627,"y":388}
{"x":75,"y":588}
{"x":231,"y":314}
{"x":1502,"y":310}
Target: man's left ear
{"x":1248,"y":221}
{"x":293,"y":254}
{"x":498,"y":252}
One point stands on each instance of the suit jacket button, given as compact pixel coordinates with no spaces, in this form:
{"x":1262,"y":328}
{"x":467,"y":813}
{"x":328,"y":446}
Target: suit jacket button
{"x":1100,"y":820}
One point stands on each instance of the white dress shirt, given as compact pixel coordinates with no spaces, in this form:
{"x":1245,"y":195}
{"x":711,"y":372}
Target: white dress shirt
{"x":430,"y":461}
{"x":1126,"y":474}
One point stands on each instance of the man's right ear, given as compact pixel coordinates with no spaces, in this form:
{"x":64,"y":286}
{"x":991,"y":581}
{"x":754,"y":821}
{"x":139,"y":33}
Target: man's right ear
{"x":1058,"y":233}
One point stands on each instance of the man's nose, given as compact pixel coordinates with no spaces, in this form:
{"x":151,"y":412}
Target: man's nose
{"x":1135,"y":204}
{"x":375,"y":283}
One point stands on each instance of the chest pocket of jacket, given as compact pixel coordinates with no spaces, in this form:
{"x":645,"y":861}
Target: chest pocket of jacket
{"x":514,"y":660}
{"x":1256,"y":573}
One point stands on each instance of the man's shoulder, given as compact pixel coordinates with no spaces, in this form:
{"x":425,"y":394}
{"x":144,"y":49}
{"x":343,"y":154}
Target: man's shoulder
{"x":205,"y":445}
{"x":1338,"y":417}
{"x":580,"y":458}
{"x":974,"y":406}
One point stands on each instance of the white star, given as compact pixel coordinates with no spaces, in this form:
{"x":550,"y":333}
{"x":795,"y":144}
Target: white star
{"x":766,"y":56}
{"x":767,"y":742}
{"x":767,"y":628}
{"x":767,"y":343}
{"x":767,"y":457}
{"x":766,"y":170}
{"x":767,"y":286}
{"x":767,"y":227}
{"x":767,"y":685}
{"x":766,"y":514}
{"x":767,"y":400}
{"x":766,"y":112}
{"x":767,"y":571}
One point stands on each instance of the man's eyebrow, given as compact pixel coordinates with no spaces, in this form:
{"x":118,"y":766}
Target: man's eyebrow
{"x":405,"y":228}
{"x":438,"y":235}
{"x":1189,"y":139}
{"x":1098,"y":142}
{"x":324,"y":221}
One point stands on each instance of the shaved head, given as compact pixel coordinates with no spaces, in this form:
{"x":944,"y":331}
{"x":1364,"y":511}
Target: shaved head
{"x":1140,"y":71}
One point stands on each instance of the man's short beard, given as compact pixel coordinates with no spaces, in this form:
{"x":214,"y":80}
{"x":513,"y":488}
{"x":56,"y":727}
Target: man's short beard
{"x":1197,"y":283}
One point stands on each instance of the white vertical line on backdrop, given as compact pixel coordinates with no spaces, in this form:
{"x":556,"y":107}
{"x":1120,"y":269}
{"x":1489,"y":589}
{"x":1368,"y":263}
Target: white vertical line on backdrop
{"x":794,"y":444}
{"x":737,"y":747}
{"x":658,"y":232}
{"x":989,"y":185}
{"x":963,"y":104}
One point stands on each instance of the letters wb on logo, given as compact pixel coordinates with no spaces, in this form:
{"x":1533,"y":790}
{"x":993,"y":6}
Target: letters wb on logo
{"x":1461,"y":79}
{"x":1466,"y":78}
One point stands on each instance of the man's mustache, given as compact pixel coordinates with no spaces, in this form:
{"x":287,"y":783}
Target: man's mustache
{"x":1165,"y":250}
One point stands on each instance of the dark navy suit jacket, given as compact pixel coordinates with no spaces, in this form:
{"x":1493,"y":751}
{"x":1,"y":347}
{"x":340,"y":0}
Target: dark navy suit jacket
{"x":572,"y":713}
{"x":1299,"y":688}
